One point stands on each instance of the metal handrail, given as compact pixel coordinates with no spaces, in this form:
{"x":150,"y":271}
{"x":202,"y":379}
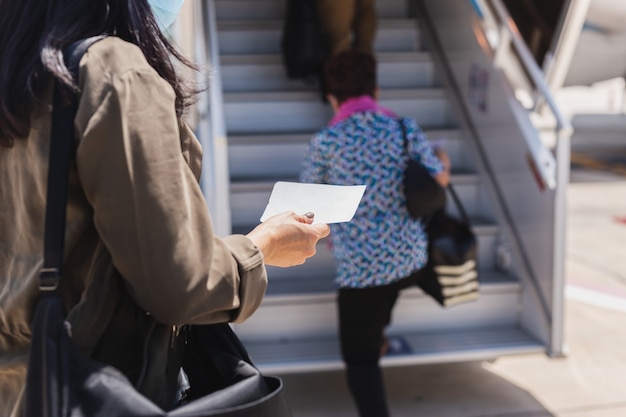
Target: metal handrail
{"x":211,"y":127}
{"x":564,"y":127}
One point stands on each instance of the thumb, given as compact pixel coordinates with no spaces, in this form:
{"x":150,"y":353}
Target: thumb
{"x":322,"y":229}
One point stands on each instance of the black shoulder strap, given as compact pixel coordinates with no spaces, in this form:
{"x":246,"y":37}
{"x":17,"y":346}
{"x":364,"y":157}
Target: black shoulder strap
{"x":459,"y":205}
{"x":61,"y":151}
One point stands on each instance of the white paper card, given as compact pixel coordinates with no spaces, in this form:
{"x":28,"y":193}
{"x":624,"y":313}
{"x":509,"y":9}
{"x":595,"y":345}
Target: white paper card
{"x":329,"y":203}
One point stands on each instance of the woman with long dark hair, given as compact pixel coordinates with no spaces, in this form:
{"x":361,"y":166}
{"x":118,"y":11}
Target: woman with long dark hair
{"x":139,"y":240}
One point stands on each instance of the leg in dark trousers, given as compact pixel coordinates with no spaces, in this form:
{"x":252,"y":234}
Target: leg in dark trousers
{"x":363,"y":315}
{"x":368,"y":390}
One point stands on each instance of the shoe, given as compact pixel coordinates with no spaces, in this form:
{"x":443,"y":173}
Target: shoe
{"x":397,"y":345}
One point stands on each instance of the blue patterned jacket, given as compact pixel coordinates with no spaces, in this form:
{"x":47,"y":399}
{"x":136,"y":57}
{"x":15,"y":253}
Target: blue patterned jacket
{"x":382,"y":243}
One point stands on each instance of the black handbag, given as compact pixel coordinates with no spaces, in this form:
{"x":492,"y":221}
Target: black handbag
{"x":304,"y":46}
{"x":218,"y":377}
{"x":451,"y":274}
{"x":424,"y":195}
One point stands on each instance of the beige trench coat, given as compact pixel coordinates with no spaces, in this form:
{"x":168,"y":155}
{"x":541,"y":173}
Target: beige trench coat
{"x":135,"y":210}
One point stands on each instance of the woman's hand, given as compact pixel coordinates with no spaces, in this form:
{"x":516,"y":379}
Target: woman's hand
{"x":443,"y":177}
{"x":288,"y":239}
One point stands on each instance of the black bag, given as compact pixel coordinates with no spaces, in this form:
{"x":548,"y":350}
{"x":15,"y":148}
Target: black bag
{"x":63,"y":381}
{"x":451,"y":275}
{"x":304,"y":47}
{"x":424,"y":195}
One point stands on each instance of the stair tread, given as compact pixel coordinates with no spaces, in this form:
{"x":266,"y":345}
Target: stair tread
{"x":479,"y":224}
{"x":265,"y":138}
{"x":385,"y":94}
{"x":262,"y":184}
{"x":276,"y":59}
{"x":290,"y":354}
{"x":251,"y":25}
{"x":246,"y":184}
{"x":272,"y":9}
{"x":299,"y":290}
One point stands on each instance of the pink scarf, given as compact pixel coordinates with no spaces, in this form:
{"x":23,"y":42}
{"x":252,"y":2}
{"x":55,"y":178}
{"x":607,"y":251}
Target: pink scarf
{"x":357,"y":105}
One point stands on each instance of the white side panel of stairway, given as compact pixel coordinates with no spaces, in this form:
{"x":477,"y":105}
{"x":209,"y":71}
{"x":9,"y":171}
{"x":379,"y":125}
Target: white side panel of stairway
{"x":499,"y":124}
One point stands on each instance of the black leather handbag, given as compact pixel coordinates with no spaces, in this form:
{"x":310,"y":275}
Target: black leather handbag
{"x":217,"y":378}
{"x":424,"y":195}
{"x":451,"y":274}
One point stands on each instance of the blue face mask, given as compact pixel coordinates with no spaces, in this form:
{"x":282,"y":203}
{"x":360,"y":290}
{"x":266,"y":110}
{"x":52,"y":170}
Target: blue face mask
{"x":165,"y":11}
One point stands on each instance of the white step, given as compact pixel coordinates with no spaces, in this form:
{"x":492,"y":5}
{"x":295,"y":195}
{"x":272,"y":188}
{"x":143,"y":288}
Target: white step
{"x":267,"y":73}
{"x":305,"y":112}
{"x":275,"y":9}
{"x":322,"y":263}
{"x":280,"y":155}
{"x":317,"y":274}
{"x":316,"y":354}
{"x":248,"y":199}
{"x":240,"y":37}
{"x":314,"y":314}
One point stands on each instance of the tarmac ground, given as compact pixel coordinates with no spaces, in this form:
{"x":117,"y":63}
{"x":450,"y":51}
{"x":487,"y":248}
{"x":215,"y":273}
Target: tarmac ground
{"x":589,"y":382}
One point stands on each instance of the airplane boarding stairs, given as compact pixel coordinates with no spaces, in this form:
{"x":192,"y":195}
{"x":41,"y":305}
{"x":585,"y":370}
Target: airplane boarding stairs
{"x":269,"y":121}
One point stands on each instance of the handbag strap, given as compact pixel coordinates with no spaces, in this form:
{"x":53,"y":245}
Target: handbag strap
{"x":60,"y":157}
{"x":457,"y":202}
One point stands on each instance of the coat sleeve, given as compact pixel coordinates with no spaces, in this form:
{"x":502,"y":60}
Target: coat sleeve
{"x":147,"y":205}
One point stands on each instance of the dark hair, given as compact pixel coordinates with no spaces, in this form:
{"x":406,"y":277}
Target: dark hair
{"x":34,"y":33}
{"x":350,"y":74}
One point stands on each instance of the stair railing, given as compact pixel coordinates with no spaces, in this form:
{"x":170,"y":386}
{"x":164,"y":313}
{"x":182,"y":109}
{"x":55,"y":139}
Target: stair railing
{"x":506,"y":41}
{"x":211,"y":126}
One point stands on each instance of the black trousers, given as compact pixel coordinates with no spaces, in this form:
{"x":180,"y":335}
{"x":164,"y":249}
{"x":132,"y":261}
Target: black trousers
{"x":363,"y":315}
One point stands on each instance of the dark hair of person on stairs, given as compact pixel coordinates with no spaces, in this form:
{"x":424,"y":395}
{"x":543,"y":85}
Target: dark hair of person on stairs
{"x":350,"y":74}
